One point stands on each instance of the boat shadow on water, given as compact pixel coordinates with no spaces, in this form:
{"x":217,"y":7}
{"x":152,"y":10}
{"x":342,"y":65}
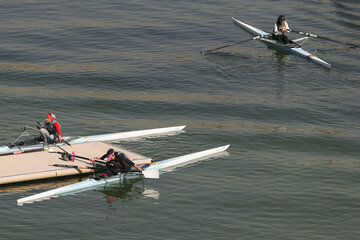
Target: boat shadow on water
{"x":128,"y":190}
{"x":281,"y":58}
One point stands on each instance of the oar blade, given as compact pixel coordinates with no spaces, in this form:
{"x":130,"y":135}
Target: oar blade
{"x":153,"y":173}
{"x":51,"y":150}
{"x":208,"y":51}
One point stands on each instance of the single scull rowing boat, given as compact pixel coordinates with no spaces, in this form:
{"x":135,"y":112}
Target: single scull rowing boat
{"x":35,"y":145}
{"x":94,"y":184}
{"x":266,"y":39}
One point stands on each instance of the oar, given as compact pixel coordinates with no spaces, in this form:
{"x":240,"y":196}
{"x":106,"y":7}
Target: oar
{"x":73,"y":166}
{"x":40,"y":125}
{"x":153,"y":173}
{"x":66,"y":142}
{"x":35,"y":129}
{"x":76,"y":156}
{"x":325,"y":38}
{"x":215,"y":49}
{"x":72,"y":156}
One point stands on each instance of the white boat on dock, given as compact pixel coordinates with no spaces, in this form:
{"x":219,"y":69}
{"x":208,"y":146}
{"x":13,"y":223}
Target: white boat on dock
{"x":18,"y":147}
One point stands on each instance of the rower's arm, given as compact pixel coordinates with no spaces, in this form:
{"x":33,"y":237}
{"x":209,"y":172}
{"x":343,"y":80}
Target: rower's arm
{"x":137,"y":167}
{"x":287,"y":27}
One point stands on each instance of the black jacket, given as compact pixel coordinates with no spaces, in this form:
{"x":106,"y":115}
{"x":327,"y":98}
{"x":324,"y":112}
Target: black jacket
{"x":121,"y":163}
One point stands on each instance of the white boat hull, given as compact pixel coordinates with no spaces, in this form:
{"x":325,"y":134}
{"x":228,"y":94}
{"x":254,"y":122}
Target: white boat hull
{"x":278,"y":46}
{"x":94,"y":184}
{"x":95,"y":138}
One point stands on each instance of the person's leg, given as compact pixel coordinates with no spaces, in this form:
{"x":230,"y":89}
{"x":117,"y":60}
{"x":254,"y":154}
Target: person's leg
{"x":45,"y":134}
{"x":285,"y":39}
{"x":51,"y":138}
{"x":277,"y":37}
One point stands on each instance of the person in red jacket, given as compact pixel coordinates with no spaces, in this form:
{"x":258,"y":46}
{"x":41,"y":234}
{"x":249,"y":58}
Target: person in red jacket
{"x":51,"y":131}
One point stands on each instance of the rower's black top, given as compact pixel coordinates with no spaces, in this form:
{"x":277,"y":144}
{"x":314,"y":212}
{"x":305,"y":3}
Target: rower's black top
{"x":121,"y":163}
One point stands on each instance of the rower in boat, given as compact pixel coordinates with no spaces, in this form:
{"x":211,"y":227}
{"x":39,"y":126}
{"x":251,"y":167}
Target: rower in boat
{"x":281,"y":26}
{"x":51,"y":132}
{"x":117,"y":162}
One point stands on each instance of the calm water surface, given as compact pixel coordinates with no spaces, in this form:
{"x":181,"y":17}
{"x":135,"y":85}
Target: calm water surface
{"x":292,"y":171}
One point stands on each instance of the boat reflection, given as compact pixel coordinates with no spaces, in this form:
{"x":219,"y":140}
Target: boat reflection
{"x":128,"y":190}
{"x":281,"y":57}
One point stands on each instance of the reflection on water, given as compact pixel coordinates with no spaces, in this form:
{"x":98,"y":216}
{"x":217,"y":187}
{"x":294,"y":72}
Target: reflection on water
{"x":64,"y":67}
{"x":338,"y":162}
{"x":130,"y":189}
{"x":160,"y":96}
{"x":281,"y":58}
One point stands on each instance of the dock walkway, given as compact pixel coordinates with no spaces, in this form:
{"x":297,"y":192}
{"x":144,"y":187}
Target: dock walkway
{"x":35,"y":165}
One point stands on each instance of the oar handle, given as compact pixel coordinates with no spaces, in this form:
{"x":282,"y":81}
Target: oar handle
{"x":89,"y":159}
{"x":305,"y":33}
{"x":67,"y":143}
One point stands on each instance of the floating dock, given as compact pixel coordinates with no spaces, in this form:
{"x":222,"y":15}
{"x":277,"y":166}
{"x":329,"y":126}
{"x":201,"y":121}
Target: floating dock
{"x":35,"y":165}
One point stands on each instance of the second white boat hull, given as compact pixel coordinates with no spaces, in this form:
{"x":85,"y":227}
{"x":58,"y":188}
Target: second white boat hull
{"x":273,"y":44}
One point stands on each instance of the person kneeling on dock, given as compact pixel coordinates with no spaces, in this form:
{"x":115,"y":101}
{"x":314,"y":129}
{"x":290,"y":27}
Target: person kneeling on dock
{"x":51,"y":132}
{"x":117,"y":162}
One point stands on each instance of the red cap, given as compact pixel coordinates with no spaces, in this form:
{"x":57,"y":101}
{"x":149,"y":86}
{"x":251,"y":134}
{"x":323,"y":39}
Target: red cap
{"x":110,"y":153}
{"x":49,"y":117}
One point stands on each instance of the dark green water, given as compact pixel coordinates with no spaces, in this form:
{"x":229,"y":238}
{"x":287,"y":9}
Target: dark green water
{"x":292,"y":171}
